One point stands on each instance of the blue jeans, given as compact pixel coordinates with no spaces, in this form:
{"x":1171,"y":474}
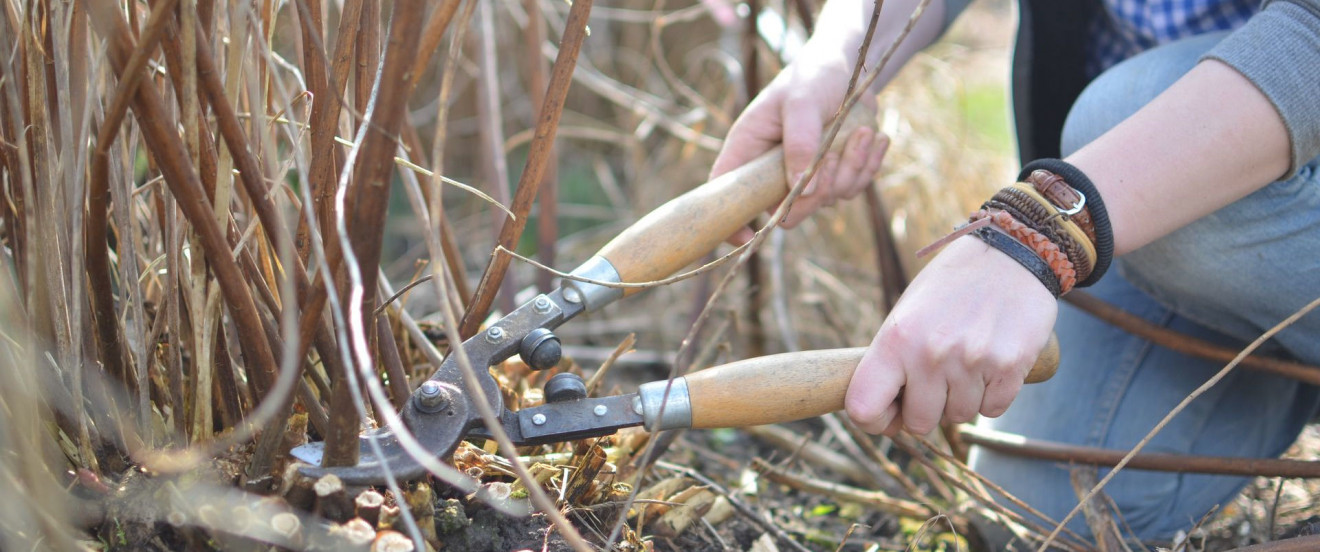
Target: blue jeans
{"x":1225,"y":278}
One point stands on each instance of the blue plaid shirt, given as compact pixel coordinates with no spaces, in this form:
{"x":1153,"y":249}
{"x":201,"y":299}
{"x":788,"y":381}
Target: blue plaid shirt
{"x":1129,"y":27}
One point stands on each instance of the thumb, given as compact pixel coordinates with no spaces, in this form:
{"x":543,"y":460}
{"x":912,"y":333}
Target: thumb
{"x":801,"y":140}
{"x":871,"y":400}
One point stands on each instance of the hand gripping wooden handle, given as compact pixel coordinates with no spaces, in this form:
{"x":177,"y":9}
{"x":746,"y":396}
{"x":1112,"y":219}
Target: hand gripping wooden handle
{"x":793,"y":386}
{"x":689,"y":226}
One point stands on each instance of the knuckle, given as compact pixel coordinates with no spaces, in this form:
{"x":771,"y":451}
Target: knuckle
{"x":857,"y":188}
{"x":994,"y":409}
{"x":960,"y":414}
{"x":871,"y":428}
{"x":918,"y":421}
{"x":963,"y":409}
{"x":863,"y":412}
{"x":948,"y":351}
{"x":1004,"y":363}
{"x":921,"y":427}
{"x":799,"y":147}
{"x":999,"y":373}
{"x":998,"y":405}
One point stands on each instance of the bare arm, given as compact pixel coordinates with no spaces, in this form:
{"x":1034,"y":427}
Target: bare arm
{"x":962,"y":336}
{"x":842,"y":27}
{"x":1208,"y":140}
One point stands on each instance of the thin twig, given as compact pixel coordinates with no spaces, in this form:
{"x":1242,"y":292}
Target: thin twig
{"x":878,"y":500}
{"x":893,"y":279}
{"x":259,"y":194}
{"x":501,"y":250}
{"x":989,"y":502}
{"x":109,"y":334}
{"x":1177,"y":463}
{"x":813,"y":453}
{"x":1179,"y":408}
{"x":1186,"y":344}
{"x":980,"y":479}
{"x":530,"y":182}
{"x":547,"y":222}
{"x":494,"y":166}
{"x":747,"y":512}
{"x":327,"y":88}
{"x":890,"y":468}
{"x":1274,"y":509}
{"x":365,"y":184}
{"x":623,"y":348}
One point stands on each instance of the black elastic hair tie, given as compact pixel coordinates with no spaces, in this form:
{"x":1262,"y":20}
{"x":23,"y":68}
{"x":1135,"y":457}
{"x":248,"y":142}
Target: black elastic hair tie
{"x":1104,"y":233}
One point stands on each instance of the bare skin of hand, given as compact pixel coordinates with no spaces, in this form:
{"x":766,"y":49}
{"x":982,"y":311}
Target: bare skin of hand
{"x":803,"y":98}
{"x":959,"y":343}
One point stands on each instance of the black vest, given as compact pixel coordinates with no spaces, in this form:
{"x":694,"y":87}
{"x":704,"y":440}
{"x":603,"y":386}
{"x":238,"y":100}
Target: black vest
{"x":1049,"y":70}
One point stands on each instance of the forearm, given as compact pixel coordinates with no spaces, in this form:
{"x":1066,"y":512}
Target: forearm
{"x":842,"y":27}
{"x":1207,"y":141}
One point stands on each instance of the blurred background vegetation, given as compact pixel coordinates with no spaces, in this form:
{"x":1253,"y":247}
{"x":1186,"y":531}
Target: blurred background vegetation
{"x":128,"y":370}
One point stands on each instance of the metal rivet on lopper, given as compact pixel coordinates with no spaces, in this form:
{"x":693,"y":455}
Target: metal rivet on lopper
{"x":495,"y":334}
{"x":601,"y":410}
{"x":538,"y":419}
{"x":542,"y":304}
{"x":431,"y":397}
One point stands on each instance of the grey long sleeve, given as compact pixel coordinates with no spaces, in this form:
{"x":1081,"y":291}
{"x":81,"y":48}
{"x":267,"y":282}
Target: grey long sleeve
{"x":1278,"y":50}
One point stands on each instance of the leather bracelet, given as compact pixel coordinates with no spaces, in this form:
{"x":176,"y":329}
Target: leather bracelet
{"x":1034,"y":212}
{"x":1053,"y":188}
{"x":1046,"y":249}
{"x":1040,"y":214}
{"x":1066,"y":241}
{"x":1019,"y":252}
{"x":1055,"y":218}
{"x":1104,"y":233}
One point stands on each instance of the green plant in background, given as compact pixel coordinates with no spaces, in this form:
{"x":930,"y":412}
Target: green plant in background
{"x":984,"y":107}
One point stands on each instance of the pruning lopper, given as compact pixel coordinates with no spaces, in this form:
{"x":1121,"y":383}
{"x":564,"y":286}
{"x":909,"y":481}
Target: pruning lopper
{"x":764,"y":390}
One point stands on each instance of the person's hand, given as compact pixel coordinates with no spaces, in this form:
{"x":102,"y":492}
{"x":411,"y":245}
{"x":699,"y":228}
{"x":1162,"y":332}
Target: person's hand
{"x":792,"y":110}
{"x":960,"y":342}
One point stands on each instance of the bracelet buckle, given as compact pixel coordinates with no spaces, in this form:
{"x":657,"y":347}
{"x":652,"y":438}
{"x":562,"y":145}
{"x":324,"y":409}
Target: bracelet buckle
{"x":1076,"y":208}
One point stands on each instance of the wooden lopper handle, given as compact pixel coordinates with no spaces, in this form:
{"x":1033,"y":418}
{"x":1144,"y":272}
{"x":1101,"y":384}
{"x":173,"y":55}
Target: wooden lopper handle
{"x":793,"y":386}
{"x":686,"y":228}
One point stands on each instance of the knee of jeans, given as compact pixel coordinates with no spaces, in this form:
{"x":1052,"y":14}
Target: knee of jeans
{"x":1128,"y":86}
{"x":1224,"y":257}
{"x":1184,"y":268}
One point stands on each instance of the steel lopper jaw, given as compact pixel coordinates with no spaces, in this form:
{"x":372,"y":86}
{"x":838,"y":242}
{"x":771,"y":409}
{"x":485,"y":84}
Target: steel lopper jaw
{"x":442,"y":411}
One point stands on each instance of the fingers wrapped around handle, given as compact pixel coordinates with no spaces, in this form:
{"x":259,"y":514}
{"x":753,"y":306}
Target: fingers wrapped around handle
{"x":688,"y":227}
{"x":779,"y":388}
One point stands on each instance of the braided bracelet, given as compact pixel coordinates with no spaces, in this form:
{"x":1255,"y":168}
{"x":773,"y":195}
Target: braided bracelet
{"x":1022,"y":254}
{"x":1036,"y":211}
{"x":1067,"y":242}
{"x":1062,"y":223}
{"x":1104,"y":233}
{"x":1056,"y":259}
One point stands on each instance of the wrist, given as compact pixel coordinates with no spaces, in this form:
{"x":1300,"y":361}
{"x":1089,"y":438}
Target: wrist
{"x":1089,"y":209}
{"x":996,"y":266}
{"x":1054,"y":225}
{"x":842,"y":25}
{"x":834,"y":54}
